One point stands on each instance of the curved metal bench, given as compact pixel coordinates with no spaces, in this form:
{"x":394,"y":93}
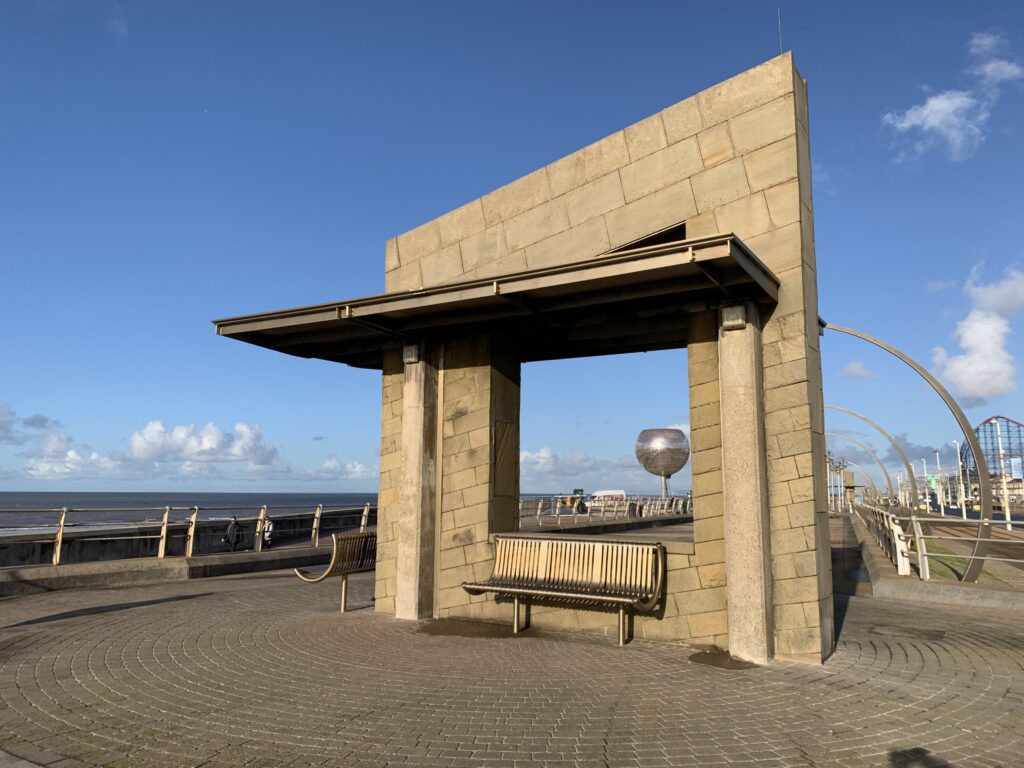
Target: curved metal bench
{"x":576,"y":569}
{"x":351,"y":553}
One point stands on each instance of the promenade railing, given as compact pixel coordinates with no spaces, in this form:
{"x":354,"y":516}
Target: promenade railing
{"x":168,"y":531}
{"x":567,"y":511}
{"x":909,"y":537}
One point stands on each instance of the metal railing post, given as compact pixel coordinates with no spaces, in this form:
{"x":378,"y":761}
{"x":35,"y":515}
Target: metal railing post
{"x":365,"y":518}
{"x":540,"y":512}
{"x":922,"y":551}
{"x":316,"y":525}
{"x":58,"y":540}
{"x":163,"y":534}
{"x":257,"y":545}
{"x":191,"y":543}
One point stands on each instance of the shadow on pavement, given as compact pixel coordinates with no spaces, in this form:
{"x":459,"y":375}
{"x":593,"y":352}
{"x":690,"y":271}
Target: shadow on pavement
{"x":918,"y":757}
{"x":104,"y":609}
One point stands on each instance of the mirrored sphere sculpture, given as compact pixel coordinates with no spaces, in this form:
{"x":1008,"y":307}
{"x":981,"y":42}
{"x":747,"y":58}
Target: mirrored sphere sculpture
{"x":662,"y":452}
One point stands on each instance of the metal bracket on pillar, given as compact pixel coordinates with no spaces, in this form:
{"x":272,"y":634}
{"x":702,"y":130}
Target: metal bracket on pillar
{"x":411,"y":354}
{"x":734,"y":317}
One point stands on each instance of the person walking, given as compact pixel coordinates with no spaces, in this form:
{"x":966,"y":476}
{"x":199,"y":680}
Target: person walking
{"x":233,"y":536}
{"x":268,"y":532}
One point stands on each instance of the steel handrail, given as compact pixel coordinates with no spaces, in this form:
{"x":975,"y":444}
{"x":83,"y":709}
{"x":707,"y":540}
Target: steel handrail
{"x":194,"y":527}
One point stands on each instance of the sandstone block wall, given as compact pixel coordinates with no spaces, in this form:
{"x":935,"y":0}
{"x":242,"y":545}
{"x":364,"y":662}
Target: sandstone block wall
{"x":733,"y":158}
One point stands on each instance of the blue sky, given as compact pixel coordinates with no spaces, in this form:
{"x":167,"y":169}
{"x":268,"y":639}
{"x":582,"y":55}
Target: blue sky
{"x":163,"y":164}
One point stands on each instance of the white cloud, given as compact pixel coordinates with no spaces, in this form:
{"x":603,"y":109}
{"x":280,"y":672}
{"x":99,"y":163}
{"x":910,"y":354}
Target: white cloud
{"x":1005,"y":297}
{"x":957,"y":119}
{"x":855,"y":369}
{"x":985,"y":43}
{"x":154,"y":442}
{"x":180,"y":453}
{"x":985,"y":369}
{"x":332,"y":469}
{"x":545,"y":471}
{"x":13,"y":428}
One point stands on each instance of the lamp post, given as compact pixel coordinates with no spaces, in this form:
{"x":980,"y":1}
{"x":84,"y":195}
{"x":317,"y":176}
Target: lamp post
{"x":927,"y":496}
{"x":941,"y":497}
{"x":1002,"y":477}
{"x":960,"y":481}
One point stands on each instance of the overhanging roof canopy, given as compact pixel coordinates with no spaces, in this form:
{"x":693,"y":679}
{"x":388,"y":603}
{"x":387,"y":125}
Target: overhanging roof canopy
{"x":636,"y":298}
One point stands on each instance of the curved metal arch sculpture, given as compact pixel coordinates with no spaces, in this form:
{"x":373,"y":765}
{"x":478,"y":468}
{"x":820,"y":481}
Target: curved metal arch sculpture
{"x":892,"y":442}
{"x":983,"y":539}
{"x":869,"y":452}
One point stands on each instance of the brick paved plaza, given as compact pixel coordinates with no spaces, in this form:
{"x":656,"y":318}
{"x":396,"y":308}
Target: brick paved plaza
{"x":262,"y":671}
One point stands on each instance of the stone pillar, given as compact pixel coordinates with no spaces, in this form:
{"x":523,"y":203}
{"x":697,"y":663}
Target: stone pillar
{"x":745,"y":485}
{"x":414,"y":587}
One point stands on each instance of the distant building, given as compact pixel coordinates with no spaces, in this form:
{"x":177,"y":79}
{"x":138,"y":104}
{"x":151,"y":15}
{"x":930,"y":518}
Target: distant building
{"x":992,"y":433}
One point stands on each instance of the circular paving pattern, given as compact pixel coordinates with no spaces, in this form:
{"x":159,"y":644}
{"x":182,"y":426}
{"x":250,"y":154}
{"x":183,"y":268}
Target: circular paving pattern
{"x":263,"y":671}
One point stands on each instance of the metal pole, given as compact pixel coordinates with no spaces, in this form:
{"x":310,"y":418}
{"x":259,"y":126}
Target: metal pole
{"x":163,"y":533}
{"x":58,"y":540}
{"x":257,"y":545}
{"x":942,"y":491}
{"x":365,"y":519}
{"x":1002,"y":477}
{"x":190,"y":544}
{"x":927,"y":495}
{"x":316,"y":524}
{"x":960,"y":481}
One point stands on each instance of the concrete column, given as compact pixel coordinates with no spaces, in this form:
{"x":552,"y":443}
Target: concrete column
{"x":745,"y":485}
{"x":414,"y":568}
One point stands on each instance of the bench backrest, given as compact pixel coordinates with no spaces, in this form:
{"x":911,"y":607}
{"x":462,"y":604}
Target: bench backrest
{"x":354,"y":551}
{"x":578,"y":563}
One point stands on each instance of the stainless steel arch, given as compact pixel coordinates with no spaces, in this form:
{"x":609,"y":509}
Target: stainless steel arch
{"x":981,"y":545}
{"x":893,"y":443}
{"x":869,"y":452}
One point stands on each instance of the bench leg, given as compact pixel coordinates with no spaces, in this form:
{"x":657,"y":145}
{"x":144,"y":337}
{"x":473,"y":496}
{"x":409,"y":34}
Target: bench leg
{"x":344,"y":593}
{"x":622,"y":625}
{"x":515,"y":615}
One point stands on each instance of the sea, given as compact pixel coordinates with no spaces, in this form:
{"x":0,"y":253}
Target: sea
{"x":33,"y":510}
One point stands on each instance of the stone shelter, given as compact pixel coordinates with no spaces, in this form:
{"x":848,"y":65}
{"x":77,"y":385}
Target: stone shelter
{"x":691,"y":228}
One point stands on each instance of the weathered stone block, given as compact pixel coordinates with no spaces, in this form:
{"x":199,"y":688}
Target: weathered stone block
{"x":681,"y":120}
{"x":646,"y":137}
{"x":580,"y":242}
{"x":772,"y":165}
{"x":778,"y":248}
{"x":594,"y":199}
{"x":764,"y":125}
{"x":535,"y":224}
{"x":752,"y":88}
{"x":747,"y":217}
{"x":441,"y":266}
{"x":513,"y":199}
{"x":459,"y":224}
{"x":716,"y":145}
{"x":784,"y":203}
{"x":798,"y":590}
{"x":487,"y":247}
{"x":661,"y":169}
{"x":720,"y":185}
{"x":596,"y":160}
{"x":665,"y":207}
{"x":417,"y":243}
{"x":711,"y":623}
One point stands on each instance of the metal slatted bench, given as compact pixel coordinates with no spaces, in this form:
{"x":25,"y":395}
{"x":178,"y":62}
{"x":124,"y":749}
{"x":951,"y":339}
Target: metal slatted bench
{"x":576,"y":569}
{"x":352,"y":553}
